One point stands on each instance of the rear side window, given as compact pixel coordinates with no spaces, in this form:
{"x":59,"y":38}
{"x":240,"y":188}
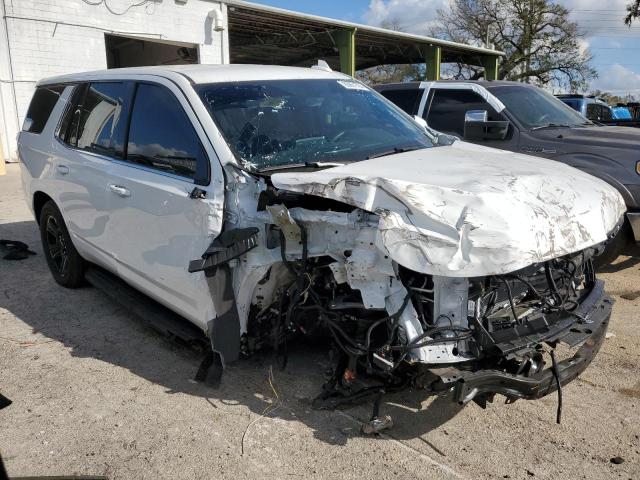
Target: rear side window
{"x":41,"y":106}
{"x":407,"y":98}
{"x":99,"y":123}
{"x":162,"y":137}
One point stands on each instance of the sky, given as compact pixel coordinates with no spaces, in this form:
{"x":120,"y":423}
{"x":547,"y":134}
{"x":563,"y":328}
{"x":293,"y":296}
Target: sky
{"x":615,"y":47}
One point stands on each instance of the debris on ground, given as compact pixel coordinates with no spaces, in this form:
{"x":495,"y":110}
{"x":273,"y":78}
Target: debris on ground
{"x":272,"y":407}
{"x":617,"y":460}
{"x":15,"y":249}
{"x":4,"y":402}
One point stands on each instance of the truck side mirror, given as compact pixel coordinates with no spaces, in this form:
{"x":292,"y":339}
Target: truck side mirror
{"x":477,"y":127}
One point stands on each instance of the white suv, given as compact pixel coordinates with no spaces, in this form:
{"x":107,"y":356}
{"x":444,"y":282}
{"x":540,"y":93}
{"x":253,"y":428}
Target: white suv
{"x":265,"y":203}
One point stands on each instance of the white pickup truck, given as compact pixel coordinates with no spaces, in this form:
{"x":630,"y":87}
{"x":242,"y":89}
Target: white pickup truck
{"x":266,"y":203}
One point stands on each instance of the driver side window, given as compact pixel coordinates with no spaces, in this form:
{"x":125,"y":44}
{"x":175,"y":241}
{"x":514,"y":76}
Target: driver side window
{"x":447,"y":108}
{"x":161,"y":135}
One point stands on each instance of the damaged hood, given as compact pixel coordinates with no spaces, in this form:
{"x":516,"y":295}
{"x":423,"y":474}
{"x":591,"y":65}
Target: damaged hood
{"x":467,"y":210}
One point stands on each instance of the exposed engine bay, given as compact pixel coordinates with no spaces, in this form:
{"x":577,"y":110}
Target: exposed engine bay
{"x":309,"y":266}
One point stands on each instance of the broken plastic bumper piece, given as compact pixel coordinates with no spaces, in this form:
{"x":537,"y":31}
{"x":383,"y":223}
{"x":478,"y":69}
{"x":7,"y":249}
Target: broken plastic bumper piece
{"x":229,"y":245}
{"x":593,"y":314}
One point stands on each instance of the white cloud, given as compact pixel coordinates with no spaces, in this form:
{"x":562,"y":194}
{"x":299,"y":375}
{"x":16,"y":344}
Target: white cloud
{"x":619,"y":80}
{"x":413,"y":16}
{"x":583,"y":45}
{"x":594,"y":18}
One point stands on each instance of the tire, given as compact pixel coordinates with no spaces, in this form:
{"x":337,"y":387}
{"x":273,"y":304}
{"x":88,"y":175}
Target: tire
{"x":614,"y":248}
{"x":65,"y":263}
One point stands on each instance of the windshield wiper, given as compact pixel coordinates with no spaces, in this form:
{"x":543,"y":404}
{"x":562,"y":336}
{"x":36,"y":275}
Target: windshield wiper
{"x":393,"y":152}
{"x":552,"y":125}
{"x":287,"y":166}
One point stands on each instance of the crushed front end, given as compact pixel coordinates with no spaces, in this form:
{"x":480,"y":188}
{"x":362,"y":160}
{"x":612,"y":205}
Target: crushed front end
{"x":324,"y":269}
{"x":397,"y":328}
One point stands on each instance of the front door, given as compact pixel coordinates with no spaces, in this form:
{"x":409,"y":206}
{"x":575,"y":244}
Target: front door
{"x":157,"y":226}
{"x":446,"y":108}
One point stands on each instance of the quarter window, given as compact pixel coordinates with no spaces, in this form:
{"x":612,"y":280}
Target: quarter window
{"x":161,"y":135}
{"x":41,"y":106}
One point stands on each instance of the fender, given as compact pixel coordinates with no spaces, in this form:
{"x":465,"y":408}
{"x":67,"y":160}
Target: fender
{"x":587,"y":163}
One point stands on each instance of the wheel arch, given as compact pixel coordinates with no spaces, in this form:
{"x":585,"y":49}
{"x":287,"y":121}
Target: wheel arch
{"x":39,"y":199}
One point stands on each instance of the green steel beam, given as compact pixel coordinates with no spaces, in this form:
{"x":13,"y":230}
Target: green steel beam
{"x":346,"y":43}
{"x":432,"y":59}
{"x":491,"y":64}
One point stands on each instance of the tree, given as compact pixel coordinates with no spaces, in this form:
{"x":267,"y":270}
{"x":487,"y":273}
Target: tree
{"x":540,"y":42}
{"x":612,"y":99}
{"x":633,"y":12}
{"x":391,"y":74}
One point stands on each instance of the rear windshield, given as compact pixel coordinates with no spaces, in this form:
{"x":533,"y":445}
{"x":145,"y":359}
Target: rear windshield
{"x":291,"y":122}
{"x":41,"y":106}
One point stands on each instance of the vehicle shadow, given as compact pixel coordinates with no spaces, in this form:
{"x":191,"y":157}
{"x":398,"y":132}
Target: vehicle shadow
{"x":620,"y":264}
{"x":89,"y":324}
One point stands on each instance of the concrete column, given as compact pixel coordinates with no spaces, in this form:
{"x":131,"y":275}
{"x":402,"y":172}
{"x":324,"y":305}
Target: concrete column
{"x":346,"y":43}
{"x":432,"y":60}
{"x":491,"y":65}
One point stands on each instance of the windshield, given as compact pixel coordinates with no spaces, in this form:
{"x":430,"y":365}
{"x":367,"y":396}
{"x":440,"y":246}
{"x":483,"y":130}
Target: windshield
{"x":277,"y":123}
{"x":535,"y":108}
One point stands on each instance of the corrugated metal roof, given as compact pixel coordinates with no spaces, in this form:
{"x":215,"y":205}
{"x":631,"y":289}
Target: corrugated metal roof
{"x":264,"y":34}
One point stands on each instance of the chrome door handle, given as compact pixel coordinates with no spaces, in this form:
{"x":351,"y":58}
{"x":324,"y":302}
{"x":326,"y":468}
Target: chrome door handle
{"x":62,"y":169}
{"x":120,"y":190}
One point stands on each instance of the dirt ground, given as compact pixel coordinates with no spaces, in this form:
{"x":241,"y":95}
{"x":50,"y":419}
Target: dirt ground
{"x":97,"y":392}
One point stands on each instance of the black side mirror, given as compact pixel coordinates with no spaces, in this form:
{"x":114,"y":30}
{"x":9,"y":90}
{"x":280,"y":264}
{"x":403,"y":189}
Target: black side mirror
{"x":477,"y":127}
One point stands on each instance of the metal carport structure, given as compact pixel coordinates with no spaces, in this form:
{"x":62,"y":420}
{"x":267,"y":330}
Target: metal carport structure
{"x":261,"y":34}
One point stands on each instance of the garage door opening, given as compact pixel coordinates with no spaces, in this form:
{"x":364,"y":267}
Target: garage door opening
{"x":123,"y":51}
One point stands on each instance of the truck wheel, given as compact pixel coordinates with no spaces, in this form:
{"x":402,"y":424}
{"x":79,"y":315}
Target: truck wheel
{"x":615,"y":248}
{"x":65,"y":263}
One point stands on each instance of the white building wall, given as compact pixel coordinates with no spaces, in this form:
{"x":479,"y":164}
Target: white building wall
{"x":55,"y":37}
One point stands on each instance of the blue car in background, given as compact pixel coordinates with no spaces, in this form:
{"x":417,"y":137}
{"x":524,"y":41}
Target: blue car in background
{"x":597,"y":110}
{"x":621,"y":113}
{"x":593,"y":108}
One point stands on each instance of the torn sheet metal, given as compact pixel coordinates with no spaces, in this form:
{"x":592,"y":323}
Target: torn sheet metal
{"x":469,"y":210}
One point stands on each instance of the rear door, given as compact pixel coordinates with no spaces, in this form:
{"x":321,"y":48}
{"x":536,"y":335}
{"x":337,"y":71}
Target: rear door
{"x":90,"y":136}
{"x":156,"y":227}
